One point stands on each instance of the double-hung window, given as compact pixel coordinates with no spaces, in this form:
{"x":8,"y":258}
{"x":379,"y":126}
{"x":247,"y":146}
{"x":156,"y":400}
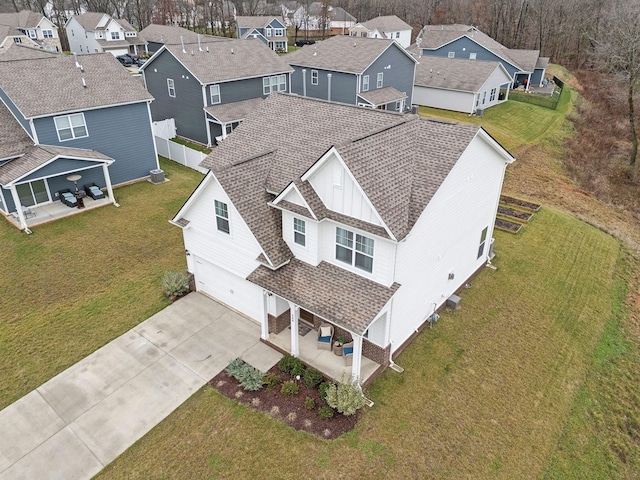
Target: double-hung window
{"x":115,"y":35}
{"x":314,"y":77}
{"x":47,"y":34}
{"x":32,"y":34}
{"x":492,"y":96}
{"x":472,"y":56}
{"x":70,"y":127}
{"x":358,"y":254}
{"x":222,"y":216}
{"x":275,"y":83}
{"x":268,"y":32}
{"x":365,"y":83}
{"x":215,"y":94}
{"x":279,"y":32}
{"x":451,"y":55}
{"x":380,"y":81}
{"x":171,"y":87}
{"x":483,"y":241}
{"x":299,"y":235}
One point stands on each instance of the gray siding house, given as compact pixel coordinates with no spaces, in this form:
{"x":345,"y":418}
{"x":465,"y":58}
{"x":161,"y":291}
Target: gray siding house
{"x":209,"y":88}
{"x":269,"y":30}
{"x":369,"y":72}
{"x":99,"y":129}
{"x":159,"y":35}
{"x":463,"y":41}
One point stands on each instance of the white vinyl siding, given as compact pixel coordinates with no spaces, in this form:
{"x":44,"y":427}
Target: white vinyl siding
{"x":70,"y":127}
{"x":215,"y":94}
{"x":309,"y":252}
{"x":171,"y":87}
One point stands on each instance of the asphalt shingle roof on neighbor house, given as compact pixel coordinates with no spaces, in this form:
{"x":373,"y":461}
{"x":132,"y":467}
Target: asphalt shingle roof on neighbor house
{"x":60,"y":88}
{"x":13,"y":139}
{"x":235,"y":111}
{"x":16,"y":51}
{"x":22,"y":19}
{"x":226,"y":61}
{"x":435,"y":36}
{"x":335,"y":294}
{"x":453,"y":73}
{"x":386,"y":24}
{"x":170,"y":35}
{"x":255,"y":22}
{"x":382,"y":96}
{"x":89,"y":20}
{"x":40,"y":155}
{"x":340,"y":53}
{"x":399,"y":160}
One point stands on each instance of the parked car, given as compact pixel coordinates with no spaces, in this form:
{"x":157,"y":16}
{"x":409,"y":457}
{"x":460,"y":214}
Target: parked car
{"x":132,"y":56}
{"x":140,"y":62}
{"x":125,"y":60}
{"x":302,"y":43}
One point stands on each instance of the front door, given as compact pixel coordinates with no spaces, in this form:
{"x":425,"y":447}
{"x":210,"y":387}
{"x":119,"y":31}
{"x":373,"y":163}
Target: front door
{"x":307,"y":317}
{"x":32,"y":193}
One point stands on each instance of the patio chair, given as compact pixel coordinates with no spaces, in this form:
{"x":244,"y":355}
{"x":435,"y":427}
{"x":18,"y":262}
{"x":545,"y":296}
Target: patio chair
{"x":347,"y":353}
{"x":94,"y":191}
{"x":68,"y":198}
{"x":325,"y":337}
{"x":28,"y":213}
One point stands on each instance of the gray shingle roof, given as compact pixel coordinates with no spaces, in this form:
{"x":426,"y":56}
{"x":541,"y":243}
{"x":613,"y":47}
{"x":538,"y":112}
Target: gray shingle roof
{"x":89,"y":20}
{"x":15,"y":51}
{"x":435,"y":36}
{"x":235,"y":111}
{"x":170,"y":35}
{"x":255,"y":22}
{"x":40,"y":155}
{"x":59,"y":88}
{"x":340,"y":53}
{"x":389,"y":23}
{"x":22,"y":19}
{"x":382,"y":96}
{"x":13,"y":139}
{"x":339,"y":296}
{"x":453,"y":73}
{"x":399,"y":160}
{"x":231,"y":60}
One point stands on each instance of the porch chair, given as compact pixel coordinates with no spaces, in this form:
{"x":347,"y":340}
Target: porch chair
{"x":325,"y":337}
{"x":347,"y":353}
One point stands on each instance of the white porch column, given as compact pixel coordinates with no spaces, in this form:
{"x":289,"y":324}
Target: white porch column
{"x":107,"y":180}
{"x":264,"y":324}
{"x":295,"y":315}
{"x":18,"y":205}
{"x":357,"y":358}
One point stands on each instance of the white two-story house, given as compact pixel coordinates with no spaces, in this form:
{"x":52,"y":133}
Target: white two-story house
{"x":29,"y":29}
{"x":95,"y":32}
{"x":322,"y":213}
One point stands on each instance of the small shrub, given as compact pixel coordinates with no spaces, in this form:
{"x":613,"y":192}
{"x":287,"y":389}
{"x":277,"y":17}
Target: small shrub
{"x":325,"y":412}
{"x":250,"y":378}
{"x":235,"y":368}
{"x":286,"y":363}
{"x":309,"y":403}
{"x":291,"y":416}
{"x":175,"y":283}
{"x":323,"y":389}
{"x":312,"y":377}
{"x":289,"y":388}
{"x":346,"y":398}
{"x":275,"y":411}
{"x":271,"y":380}
{"x":297,"y":368}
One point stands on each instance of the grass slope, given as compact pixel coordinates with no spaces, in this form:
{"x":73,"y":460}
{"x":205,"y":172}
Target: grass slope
{"x":485,"y":393}
{"x":77,"y":283}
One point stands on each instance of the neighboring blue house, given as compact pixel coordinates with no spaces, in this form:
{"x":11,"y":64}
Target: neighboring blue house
{"x":369,"y":72}
{"x":467,"y":42}
{"x":209,"y":88}
{"x":62,"y":117}
{"x":269,"y":30}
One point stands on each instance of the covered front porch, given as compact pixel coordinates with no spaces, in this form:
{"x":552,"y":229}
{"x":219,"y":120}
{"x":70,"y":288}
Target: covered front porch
{"x":299,"y":298}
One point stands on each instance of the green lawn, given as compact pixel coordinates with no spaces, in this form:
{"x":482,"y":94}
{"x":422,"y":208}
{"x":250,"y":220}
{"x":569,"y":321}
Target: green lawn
{"x":77,"y":283}
{"x":485,"y":394}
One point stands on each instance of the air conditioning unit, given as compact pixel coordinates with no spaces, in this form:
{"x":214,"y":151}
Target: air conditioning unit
{"x":479,"y":112}
{"x":157,"y":176}
{"x":491,"y":252}
{"x":414,"y":109}
{"x":453,"y":301}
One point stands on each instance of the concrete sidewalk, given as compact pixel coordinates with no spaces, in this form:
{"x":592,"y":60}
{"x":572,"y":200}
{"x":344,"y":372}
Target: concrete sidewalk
{"x":82,"y":419}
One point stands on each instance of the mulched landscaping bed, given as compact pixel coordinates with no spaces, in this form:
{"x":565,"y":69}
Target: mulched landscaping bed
{"x":289,"y":409}
{"x":515,"y":214}
{"x":520,"y":203}
{"x":507,"y":226}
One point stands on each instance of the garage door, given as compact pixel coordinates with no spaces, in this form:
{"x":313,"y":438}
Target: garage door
{"x":229,"y":289}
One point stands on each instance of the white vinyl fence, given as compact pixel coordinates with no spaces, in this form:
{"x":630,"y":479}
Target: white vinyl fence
{"x":181,"y":154}
{"x":165,"y":128}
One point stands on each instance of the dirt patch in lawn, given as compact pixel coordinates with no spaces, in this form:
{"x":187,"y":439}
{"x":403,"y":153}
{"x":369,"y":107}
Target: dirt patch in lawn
{"x":290,"y":409}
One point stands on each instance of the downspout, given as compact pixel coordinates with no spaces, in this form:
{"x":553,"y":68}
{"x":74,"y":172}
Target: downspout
{"x":304,"y":82}
{"x":328,"y":86}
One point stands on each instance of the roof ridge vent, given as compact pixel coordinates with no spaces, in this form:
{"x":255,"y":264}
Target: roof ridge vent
{"x":377,"y":131}
{"x":182,"y":43}
{"x":253,"y":157}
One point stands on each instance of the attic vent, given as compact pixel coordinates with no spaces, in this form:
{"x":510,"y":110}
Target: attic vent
{"x":337,"y":176}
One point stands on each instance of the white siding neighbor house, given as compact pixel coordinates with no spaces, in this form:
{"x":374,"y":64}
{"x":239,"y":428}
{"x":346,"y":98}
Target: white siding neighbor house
{"x":390,"y":27}
{"x":94,"y":32}
{"x":461,"y":85}
{"x":318,"y":213}
{"x":29,"y":29}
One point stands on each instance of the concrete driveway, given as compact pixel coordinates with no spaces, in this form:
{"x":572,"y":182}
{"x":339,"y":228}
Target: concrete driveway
{"x":82,"y":419}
